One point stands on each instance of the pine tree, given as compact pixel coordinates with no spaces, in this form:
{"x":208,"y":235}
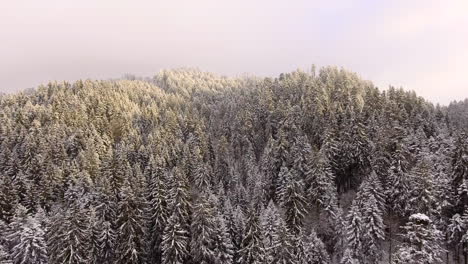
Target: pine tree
{"x":11,"y":232}
{"x":315,"y":249}
{"x":321,"y":184}
{"x":159,"y":214}
{"x":354,"y":230}
{"x":224,"y":250}
{"x":235,"y":223}
{"x":348,"y":258}
{"x":455,"y":233}
{"x":397,"y":190}
{"x":270,"y":221}
{"x":269,"y":165}
{"x":373,"y":228}
{"x":374,"y":188}
{"x":422,"y":191}
{"x":420,"y":242}
{"x":366,"y":228}
{"x":8,"y":198}
{"x":94,"y":231}
{"x":68,"y":237}
{"x":202,"y":176}
{"x":293,"y":201}
{"x":131,"y":227}
{"x":30,"y":246}
{"x":301,"y":151}
{"x":102,"y":221}
{"x":202,"y":244}
{"x":107,"y":240}
{"x":5,"y":256}
{"x":283,"y":248}
{"x":114,"y":167}
{"x":180,"y":203}
{"x":174,"y":241}
{"x":174,"y":244}
{"x":252,"y":251}
{"x":460,"y":160}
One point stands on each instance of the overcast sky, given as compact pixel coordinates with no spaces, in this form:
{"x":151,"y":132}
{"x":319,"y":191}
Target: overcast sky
{"x":421,"y":45}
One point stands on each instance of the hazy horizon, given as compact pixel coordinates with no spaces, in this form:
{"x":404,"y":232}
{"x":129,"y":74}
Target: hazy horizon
{"x":419,"y":46}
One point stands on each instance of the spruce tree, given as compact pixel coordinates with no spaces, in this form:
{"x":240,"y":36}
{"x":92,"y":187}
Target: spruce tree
{"x":284,"y":250}
{"x":68,"y":236}
{"x":315,"y":249}
{"x":293,"y":201}
{"x":159,"y":215}
{"x":373,"y":228}
{"x":174,"y":241}
{"x":5,"y":256}
{"x":131,"y":228}
{"x":252,"y":250}
{"x":107,"y":240}
{"x":354,"y":231}
{"x":270,"y":221}
{"x":29,"y":244}
{"x":321,"y":185}
{"x":348,"y":258}
{"x":224,"y":250}
{"x":202,"y":230}
{"x":421,"y":242}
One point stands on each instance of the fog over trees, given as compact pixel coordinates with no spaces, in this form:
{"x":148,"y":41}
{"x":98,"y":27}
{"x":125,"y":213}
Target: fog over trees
{"x":191,"y":167}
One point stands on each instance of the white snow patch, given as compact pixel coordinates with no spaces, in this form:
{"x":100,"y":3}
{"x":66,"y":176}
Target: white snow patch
{"x":420,"y":217}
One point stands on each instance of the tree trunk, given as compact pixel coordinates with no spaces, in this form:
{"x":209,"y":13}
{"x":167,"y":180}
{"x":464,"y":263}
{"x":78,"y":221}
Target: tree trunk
{"x":390,"y":246}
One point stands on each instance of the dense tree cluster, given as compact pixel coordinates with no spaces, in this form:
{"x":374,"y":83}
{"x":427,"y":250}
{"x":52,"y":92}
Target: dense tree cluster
{"x":191,"y":167}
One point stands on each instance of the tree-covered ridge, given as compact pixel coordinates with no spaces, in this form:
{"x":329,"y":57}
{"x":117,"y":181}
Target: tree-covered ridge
{"x":191,"y":167}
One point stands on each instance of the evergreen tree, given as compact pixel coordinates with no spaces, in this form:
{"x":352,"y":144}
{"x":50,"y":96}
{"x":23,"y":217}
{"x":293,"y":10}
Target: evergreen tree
{"x":5,"y":256}
{"x":455,"y":233}
{"x":293,"y":201}
{"x":68,"y":237}
{"x":94,"y":230}
{"x":131,"y":227}
{"x":315,"y":250}
{"x":321,"y":183}
{"x":270,"y":221}
{"x":202,"y":244}
{"x":106,"y":239}
{"x":202,"y":176}
{"x":235,"y":221}
{"x":348,"y":258}
{"x":373,"y":228}
{"x":174,"y":241}
{"x":284,"y":251}
{"x":179,"y":196}
{"x":354,"y":231}
{"x":224,"y":250}
{"x":422,"y":191}
{"x":252,"y":251}
{"x":159,"y":214}
{"x":30,"y":246}
{"x":8,"y":198}
{"x":420,"y":242}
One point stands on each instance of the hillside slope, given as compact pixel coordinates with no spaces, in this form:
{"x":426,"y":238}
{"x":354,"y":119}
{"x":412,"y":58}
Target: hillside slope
{"x":191,"y":167}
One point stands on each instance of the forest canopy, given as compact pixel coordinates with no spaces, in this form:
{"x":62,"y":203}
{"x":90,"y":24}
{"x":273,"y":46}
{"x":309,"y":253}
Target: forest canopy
{"x":191,"y":167}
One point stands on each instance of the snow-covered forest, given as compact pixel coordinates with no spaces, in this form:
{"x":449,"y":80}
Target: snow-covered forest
{"x":190,"y":167}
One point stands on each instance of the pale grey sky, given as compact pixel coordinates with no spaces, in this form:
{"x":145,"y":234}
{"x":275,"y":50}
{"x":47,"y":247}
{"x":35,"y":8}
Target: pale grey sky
{"x":418,"y":44}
